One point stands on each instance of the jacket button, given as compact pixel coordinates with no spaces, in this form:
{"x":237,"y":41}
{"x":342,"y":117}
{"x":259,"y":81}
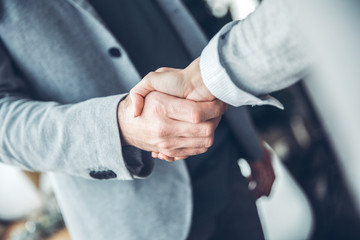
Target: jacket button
{"x":114,"y":52}
{"x":102,"y":174}
{"x":110,"y":174}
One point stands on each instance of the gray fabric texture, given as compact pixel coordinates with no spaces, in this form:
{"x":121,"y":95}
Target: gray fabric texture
{"x":59,"y":91}
{"x":264,"y":53}
{"x":261,"y":54}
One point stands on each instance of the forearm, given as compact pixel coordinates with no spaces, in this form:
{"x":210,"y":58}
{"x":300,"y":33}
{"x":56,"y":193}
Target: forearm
{"x":75,"y":139}
{"x":259,"y":55}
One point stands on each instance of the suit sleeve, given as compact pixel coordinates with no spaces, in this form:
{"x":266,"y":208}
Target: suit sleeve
{"x":75,"y":139}
{"x":248,"y":59}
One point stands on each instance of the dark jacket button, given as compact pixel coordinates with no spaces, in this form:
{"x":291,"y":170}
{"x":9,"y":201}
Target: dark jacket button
{"x":114,"y":52}
{"x":102,"y":174}
{"x":110,"y":174}
{"x":95,"y":174}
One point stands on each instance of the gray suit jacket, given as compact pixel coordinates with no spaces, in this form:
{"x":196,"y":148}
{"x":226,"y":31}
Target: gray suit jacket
{"x":59,"y":91}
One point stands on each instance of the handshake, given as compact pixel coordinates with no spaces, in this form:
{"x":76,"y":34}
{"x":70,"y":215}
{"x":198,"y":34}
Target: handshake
{"x":178,"y":117}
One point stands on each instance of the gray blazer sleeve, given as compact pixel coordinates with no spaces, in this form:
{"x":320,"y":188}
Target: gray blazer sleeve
{"x":47,"y":136}
{"x":248,"y":59}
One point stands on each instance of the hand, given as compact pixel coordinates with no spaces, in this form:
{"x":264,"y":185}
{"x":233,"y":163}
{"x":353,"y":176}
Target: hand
{"x":183,"y":83}
{"x":175,"y":127}
{"x":262,"y":174}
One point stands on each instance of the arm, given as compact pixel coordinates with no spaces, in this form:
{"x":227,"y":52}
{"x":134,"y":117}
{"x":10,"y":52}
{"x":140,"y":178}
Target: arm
{"x":176,"y":127}
{"x":46,"y":136}
{"x":242,"y":63}
{"x":81,"y":138}
{"x":254,"y":57}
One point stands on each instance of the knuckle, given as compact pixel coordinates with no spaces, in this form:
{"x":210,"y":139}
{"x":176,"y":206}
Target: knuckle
{"x":169,"y":153}
{"x":208,"y":130}
{"x":164,"y":146}
{"x":219,"y":112}
{"x":160,"y":131}
{"x":133,"y":90}
{"x":202,"y":150}
{"x":155,"y":98}
{"x":216,"y":109}
{"x":180,"y":76}
{"x":220,"y":108}
{"x":198,"y":151}
{"x":162,"y":69}
{"x":209,"y":142}
{"x":158,"y":108}
{"x":149,"y":75}
{"x":196,"y":115}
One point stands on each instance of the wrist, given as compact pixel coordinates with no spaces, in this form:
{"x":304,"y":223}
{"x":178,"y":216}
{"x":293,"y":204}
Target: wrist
{"x":121,"y":116}
{"x":197,"y":88}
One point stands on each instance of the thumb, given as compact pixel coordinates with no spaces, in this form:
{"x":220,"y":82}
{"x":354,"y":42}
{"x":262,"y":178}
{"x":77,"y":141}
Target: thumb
{"x":164,"y":80}
{"x":137,"y":95}
{"x":143,"y":88}
{"x":167,"y":69}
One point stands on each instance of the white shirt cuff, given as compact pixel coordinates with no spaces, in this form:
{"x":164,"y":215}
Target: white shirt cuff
{"x":218,"y":81}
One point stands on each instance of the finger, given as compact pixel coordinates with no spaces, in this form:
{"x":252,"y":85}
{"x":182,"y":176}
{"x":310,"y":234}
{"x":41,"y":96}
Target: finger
{"x":137,"y":95}
{"x":161,"y":156}
{"x":180,"y":158}
{"x":156,"y":155}
{"x":213,"y":109}
{"x":165,"y":157}
{"x":183,"y":152}
{"x":163,"y":81}
{"x":194,"y":112}
{"x":167,"y":81}
{"x":167,"y":69}
{"x":176,"y":129}
{"x":138,"y":104}
{"x":187,"y":142}
{"x":192,"y":130}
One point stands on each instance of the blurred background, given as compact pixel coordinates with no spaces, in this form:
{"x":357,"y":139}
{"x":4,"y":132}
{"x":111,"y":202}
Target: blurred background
{"x":311,"y":199}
